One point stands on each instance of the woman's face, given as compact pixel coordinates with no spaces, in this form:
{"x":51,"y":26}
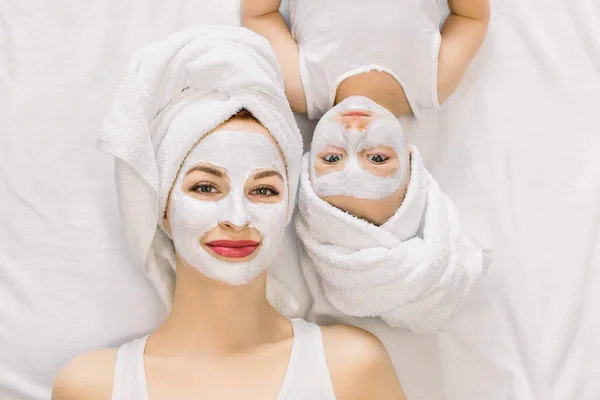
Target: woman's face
{"x":229,"y":205}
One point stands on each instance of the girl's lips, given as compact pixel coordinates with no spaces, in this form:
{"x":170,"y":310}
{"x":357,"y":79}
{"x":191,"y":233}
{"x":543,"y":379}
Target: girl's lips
{"x":233,"y":248}
{"x":356,"y":113}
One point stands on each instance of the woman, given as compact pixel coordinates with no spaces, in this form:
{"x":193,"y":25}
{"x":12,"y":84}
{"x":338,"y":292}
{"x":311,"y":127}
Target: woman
{"x":224,"y":193}
{"x":221,"y":340}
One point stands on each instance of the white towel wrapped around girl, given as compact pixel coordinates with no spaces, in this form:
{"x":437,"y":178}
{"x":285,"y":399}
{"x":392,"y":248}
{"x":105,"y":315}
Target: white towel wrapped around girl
{"x":414,"y":271}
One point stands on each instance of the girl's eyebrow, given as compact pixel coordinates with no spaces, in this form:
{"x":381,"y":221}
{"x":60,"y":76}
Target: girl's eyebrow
{"x":267,"y":174}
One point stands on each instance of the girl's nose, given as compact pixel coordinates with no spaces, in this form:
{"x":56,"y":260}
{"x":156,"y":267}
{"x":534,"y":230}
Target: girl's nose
{"x":355,"y":122}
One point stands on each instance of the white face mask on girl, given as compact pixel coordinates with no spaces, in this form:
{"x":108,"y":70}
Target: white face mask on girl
{"x":241,"y":154}
{"x":353,"y":179}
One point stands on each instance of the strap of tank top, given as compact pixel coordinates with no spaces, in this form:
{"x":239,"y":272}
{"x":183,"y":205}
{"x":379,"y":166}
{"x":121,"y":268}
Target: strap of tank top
{"x":129,"y":381}
{"x":293,"y":362}
{"x":309,"y":361}
{"x":322,"y":369}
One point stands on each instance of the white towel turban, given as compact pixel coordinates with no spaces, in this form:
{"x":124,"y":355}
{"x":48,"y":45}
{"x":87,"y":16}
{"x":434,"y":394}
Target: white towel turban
{"x":175,"y":92}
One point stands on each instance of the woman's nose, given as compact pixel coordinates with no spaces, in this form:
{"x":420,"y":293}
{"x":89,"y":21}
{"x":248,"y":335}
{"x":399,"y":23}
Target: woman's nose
{"x":231,"y":226}
{"x":235,"y":215}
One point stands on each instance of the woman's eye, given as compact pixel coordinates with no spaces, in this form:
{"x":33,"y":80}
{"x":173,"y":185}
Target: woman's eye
{"x":332,"y":158}
{"x":205,"y":188}
{"x":377,"y":158}
{"x":265,"y":191}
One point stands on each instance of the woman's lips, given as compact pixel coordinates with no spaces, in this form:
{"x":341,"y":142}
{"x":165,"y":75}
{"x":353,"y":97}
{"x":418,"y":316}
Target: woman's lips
{"x":233,"y":248}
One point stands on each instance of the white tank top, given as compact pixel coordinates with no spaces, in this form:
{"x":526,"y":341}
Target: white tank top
{"x":341,"y":38}
{"x":307,"y":375}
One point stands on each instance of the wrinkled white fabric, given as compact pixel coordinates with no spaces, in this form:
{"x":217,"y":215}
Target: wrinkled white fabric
{"x":528,"y":332}
{"x":516,"y":149}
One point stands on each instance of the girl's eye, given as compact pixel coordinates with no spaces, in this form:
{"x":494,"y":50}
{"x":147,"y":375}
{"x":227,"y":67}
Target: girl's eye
{"x":377,"y":158}
{"x":265,"y":191}
{"x":205,"y":188}
{"x":332,"y":158}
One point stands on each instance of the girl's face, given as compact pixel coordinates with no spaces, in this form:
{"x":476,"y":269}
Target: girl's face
{"x":229,"y":205}
{"x":358,"y":150}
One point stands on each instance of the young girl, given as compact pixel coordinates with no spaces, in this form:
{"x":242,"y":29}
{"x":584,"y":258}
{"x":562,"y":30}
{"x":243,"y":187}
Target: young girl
{"x":357,"y":65}
{"x":225,"y":192}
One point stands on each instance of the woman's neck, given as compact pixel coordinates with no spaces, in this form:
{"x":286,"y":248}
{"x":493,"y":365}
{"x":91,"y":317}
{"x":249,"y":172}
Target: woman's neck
{"x":380,"y":87}
{"x":215,"y":318}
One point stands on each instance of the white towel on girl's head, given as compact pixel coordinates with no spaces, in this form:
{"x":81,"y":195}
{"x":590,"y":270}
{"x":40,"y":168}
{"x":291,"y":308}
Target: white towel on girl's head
{"x":414,"y":271}
{"x":175,"y":92}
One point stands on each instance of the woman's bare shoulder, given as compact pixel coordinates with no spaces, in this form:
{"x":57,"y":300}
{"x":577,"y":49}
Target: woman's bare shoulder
{"x":88,"y":376}
{"x":352,"y":350}
{"x":359,"y":364}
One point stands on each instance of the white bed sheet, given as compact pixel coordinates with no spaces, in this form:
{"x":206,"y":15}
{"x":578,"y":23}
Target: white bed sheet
{"x":517,"y":147}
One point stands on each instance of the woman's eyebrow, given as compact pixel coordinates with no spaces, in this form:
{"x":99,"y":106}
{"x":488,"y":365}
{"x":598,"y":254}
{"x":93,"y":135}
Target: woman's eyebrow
{"x":267,"y":174}
{"x":207,"y":169}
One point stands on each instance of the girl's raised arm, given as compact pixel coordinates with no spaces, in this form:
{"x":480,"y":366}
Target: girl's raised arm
{"x":264,"y":18}
{"x":462,"y":36}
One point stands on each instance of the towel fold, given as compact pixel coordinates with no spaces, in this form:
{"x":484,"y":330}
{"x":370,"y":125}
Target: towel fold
{"x":414,"y":271}
{"x":175,"y":92}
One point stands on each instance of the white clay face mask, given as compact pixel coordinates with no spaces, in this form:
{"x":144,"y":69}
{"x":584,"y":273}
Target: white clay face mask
{"x":241,"y":154}
{"x":354,"y":180}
